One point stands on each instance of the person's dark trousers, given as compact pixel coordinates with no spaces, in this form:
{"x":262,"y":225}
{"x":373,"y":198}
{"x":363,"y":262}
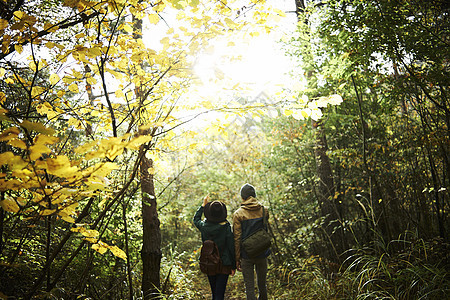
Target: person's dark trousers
{"x":218,"y":285}
{"x":248,"y":271}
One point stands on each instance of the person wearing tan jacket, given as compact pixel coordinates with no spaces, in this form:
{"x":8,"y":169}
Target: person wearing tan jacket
{"x":246,"y":219}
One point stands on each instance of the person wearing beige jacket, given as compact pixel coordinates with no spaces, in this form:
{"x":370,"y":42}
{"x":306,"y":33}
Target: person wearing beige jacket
{"x":246,"y":219}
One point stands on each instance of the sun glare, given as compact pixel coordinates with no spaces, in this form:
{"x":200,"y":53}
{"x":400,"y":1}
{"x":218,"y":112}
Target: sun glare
{"x":254,"y":63}
{"x":257,"y":65}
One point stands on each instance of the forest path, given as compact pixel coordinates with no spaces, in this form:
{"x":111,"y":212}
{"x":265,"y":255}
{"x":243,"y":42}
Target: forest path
{"x":235,"y":288}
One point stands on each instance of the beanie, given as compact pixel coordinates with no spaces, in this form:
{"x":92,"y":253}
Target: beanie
{"x":247,"y":190}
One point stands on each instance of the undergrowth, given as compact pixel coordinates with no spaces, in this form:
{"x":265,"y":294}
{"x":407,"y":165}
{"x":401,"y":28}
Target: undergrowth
{"x":407,"y":268}
{"x":404,"y":269}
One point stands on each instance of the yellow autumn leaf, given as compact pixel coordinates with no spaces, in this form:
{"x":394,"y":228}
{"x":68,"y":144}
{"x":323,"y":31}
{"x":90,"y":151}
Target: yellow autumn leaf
{"x":75,"y":122}
{"x":94,"y":186}
{"x":74,"y":88}
{"x":47,"y":212}
{"x":54,"y":78}
{"x":21,"y":79}
{"x":37,"y":127}
{"x":100,"y":247}
{"x":9,"y":204}
{"x":39,"y":147}
{"x":165,"y":42}
{"x":68,"y":219}
{"x":230,"y":23}
{"x":127,"y":28}
{"x":305,"y":114}
{"x":91,"y":80}
{"x":21,"y":201}
{"x":207,"y":104}
{"x":153,"y":18}
{"x":45,"y":139}
{"x":137,"y":142}
{"x":194,"y":3}
{"x":280,"y":12}
{"x":119,"y":94}
{"x":18,"y":144}
{"x":9,"y":134}
{"x":19,"y":14}
{"x":16,"y":162}
{"x":90,"y":233}
{"x":68,"y":80}
{"x":85,"y":147}
{"x":95,"y":113}
{"x":18,"y":48}
{"x":36,"y":91}
{"x":288,"y":112}
{"x":36,"y":151}
{"x":68,"y":210}
{"x":2,"y":72}
{"x":23,"y":174}
{"x":33,"y":65}
{"x":6,"y":42}
{"x":3,"y":24}
{"x":46,"y":109}
{"x":118,"y":252}
{"x":9,"y":80}
{"x":50,"y":45}
{"x":115,"y":151}
{"x":60,"y":166}
{"x":94,"y":52}
{"x":103,"y":169}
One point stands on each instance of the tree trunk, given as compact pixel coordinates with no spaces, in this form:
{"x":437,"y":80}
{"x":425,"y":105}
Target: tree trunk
{"x":151,"y":233}
{"x":151,"y":240}
{"x":326,"y":188}
{"x":299,"y":6}
{"x":325,"y":192}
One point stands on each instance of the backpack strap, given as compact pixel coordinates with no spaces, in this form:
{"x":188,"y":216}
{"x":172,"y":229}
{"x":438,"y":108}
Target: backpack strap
{"x":264,"y":218}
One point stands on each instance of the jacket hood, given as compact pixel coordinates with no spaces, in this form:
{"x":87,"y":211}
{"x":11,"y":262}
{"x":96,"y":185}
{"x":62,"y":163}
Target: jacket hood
{"x":251,"y":204}
{"x":214,"y":229}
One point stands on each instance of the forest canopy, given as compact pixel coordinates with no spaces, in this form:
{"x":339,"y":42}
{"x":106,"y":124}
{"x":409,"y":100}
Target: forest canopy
{"x":106,"y":153}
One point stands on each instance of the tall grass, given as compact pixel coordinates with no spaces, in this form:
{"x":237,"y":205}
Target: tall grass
{"x":407,"y":268}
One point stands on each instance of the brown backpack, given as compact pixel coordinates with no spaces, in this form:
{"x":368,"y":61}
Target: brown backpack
{"x":210,"y":262}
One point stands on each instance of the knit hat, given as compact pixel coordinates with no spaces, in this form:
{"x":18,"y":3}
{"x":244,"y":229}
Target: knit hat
{"x":247,"y":190}
{"x":215,"y":212}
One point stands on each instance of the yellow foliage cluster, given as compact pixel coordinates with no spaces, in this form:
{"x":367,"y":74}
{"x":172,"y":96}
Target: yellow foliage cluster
{"x":303,"y":108}
{"x":108,"y":84}
{"x":98,"y":245}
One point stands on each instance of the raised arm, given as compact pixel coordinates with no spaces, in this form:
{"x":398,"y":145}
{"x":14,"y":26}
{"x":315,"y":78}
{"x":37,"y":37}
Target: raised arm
{"x":237,"y":232}
{"x":198,"y":214}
